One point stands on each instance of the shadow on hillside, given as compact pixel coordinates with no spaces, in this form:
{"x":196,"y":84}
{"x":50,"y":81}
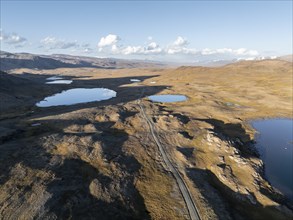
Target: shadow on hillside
{"x":228,"y":204}
{"x":186,"y":151}
{"x":79,"y":190}
{"x":235,"y":133}
{"x":47,"y":64}
{"x":32,"y":89}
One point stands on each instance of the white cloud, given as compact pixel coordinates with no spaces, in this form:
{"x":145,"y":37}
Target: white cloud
{"x":111,"y":44}
{"x":151,"y":48}
{"x":52,"y":43}
{"x":108,"y":40}
{"x":236,"y":52}
{"x":49,"y":40}
{"x":181,"y":50}
{"x":132,"y":50}
{"x":15,"y":39}
{"x":12,"y":38}
{"x":246,"y":52}
{"x":180,"y":42}
{"x":114,"y":48}
{"x":179,"y":47}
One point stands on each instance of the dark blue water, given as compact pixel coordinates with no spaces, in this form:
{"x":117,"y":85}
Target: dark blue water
{"x":274,"y":142}
{"x":167,"y":98}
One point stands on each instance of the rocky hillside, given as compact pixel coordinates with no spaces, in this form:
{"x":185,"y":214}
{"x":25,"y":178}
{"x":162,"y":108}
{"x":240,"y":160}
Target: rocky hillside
{"x":99,"y":160}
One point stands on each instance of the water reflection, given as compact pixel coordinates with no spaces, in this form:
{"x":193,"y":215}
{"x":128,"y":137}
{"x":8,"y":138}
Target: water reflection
{"x":60,"y":82}
{"x":75,"y":96}
{"x":167,"y":98}
{"x":274,"y":143}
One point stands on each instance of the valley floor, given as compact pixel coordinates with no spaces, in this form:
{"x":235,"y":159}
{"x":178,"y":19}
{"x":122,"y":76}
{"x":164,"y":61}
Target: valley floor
{"x":99,"y":160}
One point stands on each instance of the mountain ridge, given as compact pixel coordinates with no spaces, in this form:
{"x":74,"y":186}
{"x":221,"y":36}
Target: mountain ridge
{"x":11,"y":61}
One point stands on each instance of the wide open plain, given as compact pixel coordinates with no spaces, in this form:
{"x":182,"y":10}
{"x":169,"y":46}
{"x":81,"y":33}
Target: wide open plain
{"x":99,"y":160}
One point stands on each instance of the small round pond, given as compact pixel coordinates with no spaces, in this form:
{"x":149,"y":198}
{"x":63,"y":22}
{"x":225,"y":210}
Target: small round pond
{"x":76,"y":96}
{"x":135,"y":80}
{"x":60,"y":82}
{"x":275,"y":146}
{"x":54,"y":78}
{"x":167,"y":98}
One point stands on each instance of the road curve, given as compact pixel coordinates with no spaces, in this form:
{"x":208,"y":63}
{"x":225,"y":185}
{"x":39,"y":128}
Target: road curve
{"x":192,"y":209}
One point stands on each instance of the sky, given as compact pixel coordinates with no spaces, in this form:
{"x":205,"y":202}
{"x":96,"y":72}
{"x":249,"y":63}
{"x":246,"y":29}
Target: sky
{"x":183,"y":31}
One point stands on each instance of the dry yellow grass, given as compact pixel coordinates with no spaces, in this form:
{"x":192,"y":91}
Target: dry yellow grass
{"x":233,"y":94}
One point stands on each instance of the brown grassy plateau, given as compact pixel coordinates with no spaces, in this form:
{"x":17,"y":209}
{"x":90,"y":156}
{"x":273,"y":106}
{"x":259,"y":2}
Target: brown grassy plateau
{"x":98,"y":160}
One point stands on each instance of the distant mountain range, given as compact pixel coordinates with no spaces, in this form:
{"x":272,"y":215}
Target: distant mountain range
{"x":9,"y":61}
{"x":216,"y":63}
{"x":287,"y":58}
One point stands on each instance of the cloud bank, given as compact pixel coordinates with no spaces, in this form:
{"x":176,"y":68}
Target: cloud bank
{"x":12,"y":39}
{"x":179,"y":47}
{"x":51,"y":43}
{"x":112,"y":45}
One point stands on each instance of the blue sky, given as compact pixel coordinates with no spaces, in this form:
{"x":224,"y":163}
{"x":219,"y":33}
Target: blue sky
{"x":164,"y":30}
